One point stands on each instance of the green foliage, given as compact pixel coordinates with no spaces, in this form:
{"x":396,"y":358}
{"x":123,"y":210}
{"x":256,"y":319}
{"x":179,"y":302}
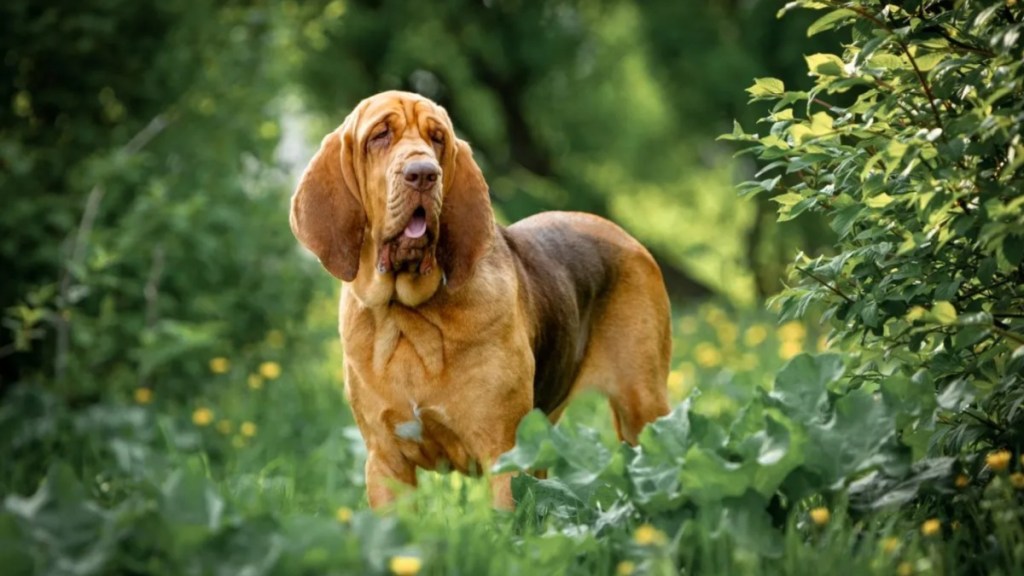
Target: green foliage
{"x":921,"y":179}
{"x":171,"y":401}
{"x":783,"y":446}
{"x":920,"y":176}
{"x":145,"y":212}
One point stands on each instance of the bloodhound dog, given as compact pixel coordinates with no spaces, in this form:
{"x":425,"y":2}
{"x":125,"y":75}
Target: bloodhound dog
{"x":453,"y":326}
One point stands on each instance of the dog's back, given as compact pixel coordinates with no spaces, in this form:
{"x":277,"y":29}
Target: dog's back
{"x":574,"y":265}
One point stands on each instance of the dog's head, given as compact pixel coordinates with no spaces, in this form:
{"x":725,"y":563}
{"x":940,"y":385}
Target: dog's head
{"x":395,"y":175}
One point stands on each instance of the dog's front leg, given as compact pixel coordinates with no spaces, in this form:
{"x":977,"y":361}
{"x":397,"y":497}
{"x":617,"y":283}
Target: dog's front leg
{"x":501,"y":491}
{"x":384,"y":474}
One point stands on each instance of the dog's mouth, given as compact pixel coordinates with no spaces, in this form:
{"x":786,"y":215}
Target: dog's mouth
{"x":417,"y":225}
{"x":411,"y":249}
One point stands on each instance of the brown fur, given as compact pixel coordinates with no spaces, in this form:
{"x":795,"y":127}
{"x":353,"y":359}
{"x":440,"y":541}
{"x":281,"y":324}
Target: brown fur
{"x":452,"y":338}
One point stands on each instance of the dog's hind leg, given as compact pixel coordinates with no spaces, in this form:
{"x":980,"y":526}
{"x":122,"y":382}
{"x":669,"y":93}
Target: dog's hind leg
{"x":627,"y":357}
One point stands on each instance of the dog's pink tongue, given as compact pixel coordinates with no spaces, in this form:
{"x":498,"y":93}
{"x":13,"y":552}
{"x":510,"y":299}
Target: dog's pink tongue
{"x":417,"y":226}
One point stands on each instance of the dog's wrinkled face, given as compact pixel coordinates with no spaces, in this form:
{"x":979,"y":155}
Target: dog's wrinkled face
{"x":394,"y":197}
{"x":406,"y":145}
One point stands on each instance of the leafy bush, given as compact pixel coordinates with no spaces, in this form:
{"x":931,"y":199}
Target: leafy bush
{"x":909,"y":142}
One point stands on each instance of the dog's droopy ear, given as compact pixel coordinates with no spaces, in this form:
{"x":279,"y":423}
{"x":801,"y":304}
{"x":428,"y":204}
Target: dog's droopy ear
{"x":467,"y":223}
{"x":327,"y":216}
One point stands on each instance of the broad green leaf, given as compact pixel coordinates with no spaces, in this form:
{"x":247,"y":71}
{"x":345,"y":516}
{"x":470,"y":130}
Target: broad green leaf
{"x":800,"y":133}
{"x":956,"y":396}
{"x":68,"y":529}
{"x":554,"y":497}
{"x":825,"y":64}
{"x":773,"y":451}
{"x":879,"y":201}
{"x":821,"y":124}
{"x":654,"y":466}
{"x":707,"y":477}
{"x":534,"y":449}
{"x":789,"y":211}
{"x":876,"y":491}
{"x":889,"y":61}
{"x":845,"y":218}
{"x":944,"y":313}
{"x":784,"y":114}
{"x":801,"y":387}
{"x":852,"y":440}
{"x":830,"y":20}
{"x":745,"y":519}
{"x":766,"y":87}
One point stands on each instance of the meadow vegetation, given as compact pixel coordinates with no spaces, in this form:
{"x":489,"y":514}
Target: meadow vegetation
{"x":171,"y":375}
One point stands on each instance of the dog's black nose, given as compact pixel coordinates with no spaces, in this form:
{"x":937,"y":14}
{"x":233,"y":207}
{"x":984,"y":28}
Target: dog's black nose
{"x":421,"y":174}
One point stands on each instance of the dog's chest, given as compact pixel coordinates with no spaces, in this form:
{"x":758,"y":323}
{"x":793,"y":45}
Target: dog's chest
{"x":406,"y":396}
{"x":408,"y":349}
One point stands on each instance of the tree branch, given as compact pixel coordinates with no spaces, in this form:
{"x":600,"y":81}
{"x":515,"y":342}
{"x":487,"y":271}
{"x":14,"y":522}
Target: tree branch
{"x":835,"y":290}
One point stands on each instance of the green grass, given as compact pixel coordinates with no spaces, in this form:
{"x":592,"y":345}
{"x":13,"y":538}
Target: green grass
{"x":261,"y":473}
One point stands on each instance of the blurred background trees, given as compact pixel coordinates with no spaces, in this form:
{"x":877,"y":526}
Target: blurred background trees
{"x":148,"y":150}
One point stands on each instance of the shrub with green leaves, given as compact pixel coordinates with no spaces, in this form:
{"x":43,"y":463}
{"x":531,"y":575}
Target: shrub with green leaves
{"x":909,"y":142}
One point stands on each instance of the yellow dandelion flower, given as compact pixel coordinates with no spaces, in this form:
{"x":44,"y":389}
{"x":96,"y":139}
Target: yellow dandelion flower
{"x":1017,"y":480}
{"x":248,"y":429}
{"x":202,"y":417}
{"x":755,"y":335}
{"x":931,"y":527}
{"x":343,"y":514}
{"x":647,"y":535}
{"x":962,"y":481}
{"x":792,"y":331}
{"x":625,"y":568}
{"x":726,"y":332}
{"x":143,"y":395}
{"x":713,"y":314}
{"x":890,"y":544}
{"x":270,"y":370}
{"x":820,"y":515}
{"x":707,"y":355}
{"x":255,"y":381}
{"x":219,"y":365}
{"x":225,"y":427}
{"x":998,"y":460}
{"x":789,"y":349}
{"x":675,"y":383}
{"x":905,"y":569}
{"x":405,"y":565}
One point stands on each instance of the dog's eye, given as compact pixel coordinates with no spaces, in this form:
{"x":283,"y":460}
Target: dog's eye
{"x":380,"y":136}
{"x":437,"y":137}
